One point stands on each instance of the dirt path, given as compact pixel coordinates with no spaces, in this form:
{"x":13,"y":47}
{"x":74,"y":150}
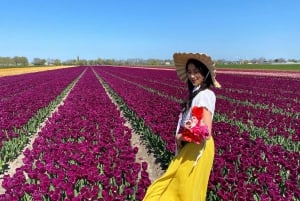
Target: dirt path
{"x":18,"y":162}
{"x":154,"y":169}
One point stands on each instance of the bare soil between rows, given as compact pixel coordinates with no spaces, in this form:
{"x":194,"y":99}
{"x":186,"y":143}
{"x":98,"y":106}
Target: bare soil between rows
{"x":143,"y":155}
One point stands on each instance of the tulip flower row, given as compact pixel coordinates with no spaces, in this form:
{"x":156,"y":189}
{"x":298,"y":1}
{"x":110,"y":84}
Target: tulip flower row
{"x":264,"y":90}
{"x":82,"y":153}
{"x":23,"y":95}
{"x":255,"y":131}
{"x":280,"y":127}
{"x":241,"y":163}
{"x":155,"y":143}
{"x":146,"y":105}
{"x":245,"y":168}
{"x":260,"y":93}
{"x":259,"y":89}
{"x":39,"y":99}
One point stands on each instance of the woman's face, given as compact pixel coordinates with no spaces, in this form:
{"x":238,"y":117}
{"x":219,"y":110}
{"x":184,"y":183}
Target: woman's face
{"x":194,"y":75}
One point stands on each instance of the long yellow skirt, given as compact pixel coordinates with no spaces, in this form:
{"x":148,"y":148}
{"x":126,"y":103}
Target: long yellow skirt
{"x":184,"y":180}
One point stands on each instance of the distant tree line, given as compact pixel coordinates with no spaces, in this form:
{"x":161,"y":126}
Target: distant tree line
{"x":23,"y":61}
{"x":14,"y":61}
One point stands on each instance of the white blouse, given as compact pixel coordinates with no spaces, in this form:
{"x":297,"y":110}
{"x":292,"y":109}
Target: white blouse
{"x":205,"y":98}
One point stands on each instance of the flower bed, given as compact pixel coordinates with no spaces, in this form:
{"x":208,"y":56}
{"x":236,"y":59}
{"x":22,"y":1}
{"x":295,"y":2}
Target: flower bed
{"x":83,"y":153}
{"x":82,"y":150}
{"x":280,"y":124}
{"x":19,"y":122}
{"x":23,"y":95}
{"x":246,"y":167}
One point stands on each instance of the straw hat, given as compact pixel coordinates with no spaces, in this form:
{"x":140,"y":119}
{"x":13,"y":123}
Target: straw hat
{"x":180,"y":60}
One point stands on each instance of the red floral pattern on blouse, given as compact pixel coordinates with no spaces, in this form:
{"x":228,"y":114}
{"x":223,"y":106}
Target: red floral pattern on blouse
{"x":194,"y":129}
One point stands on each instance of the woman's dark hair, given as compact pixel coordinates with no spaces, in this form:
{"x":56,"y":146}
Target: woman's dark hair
{"x":207,"y":82}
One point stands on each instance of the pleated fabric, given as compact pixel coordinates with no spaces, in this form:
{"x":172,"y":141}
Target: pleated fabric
{"x":184,"y":180}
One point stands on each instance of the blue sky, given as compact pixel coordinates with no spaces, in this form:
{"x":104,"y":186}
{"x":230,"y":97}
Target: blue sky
{"x":111,"y":29}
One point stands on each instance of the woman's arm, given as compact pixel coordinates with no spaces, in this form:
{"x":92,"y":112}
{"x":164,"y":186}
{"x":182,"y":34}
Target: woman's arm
{"x":207,"y":119}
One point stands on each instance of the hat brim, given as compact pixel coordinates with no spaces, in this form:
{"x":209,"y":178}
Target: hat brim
{"x":180,"y":60}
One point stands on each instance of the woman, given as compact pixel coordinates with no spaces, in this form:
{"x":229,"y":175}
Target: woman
{"x":187,"y":176}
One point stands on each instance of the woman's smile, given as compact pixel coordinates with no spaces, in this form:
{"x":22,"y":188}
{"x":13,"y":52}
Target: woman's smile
{"x":194,"y":75}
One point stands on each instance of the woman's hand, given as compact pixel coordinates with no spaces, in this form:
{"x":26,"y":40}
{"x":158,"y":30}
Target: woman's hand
{"x":179,"y":141}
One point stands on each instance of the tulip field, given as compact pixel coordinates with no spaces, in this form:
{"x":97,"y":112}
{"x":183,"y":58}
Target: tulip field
{"x":82,"y":148}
